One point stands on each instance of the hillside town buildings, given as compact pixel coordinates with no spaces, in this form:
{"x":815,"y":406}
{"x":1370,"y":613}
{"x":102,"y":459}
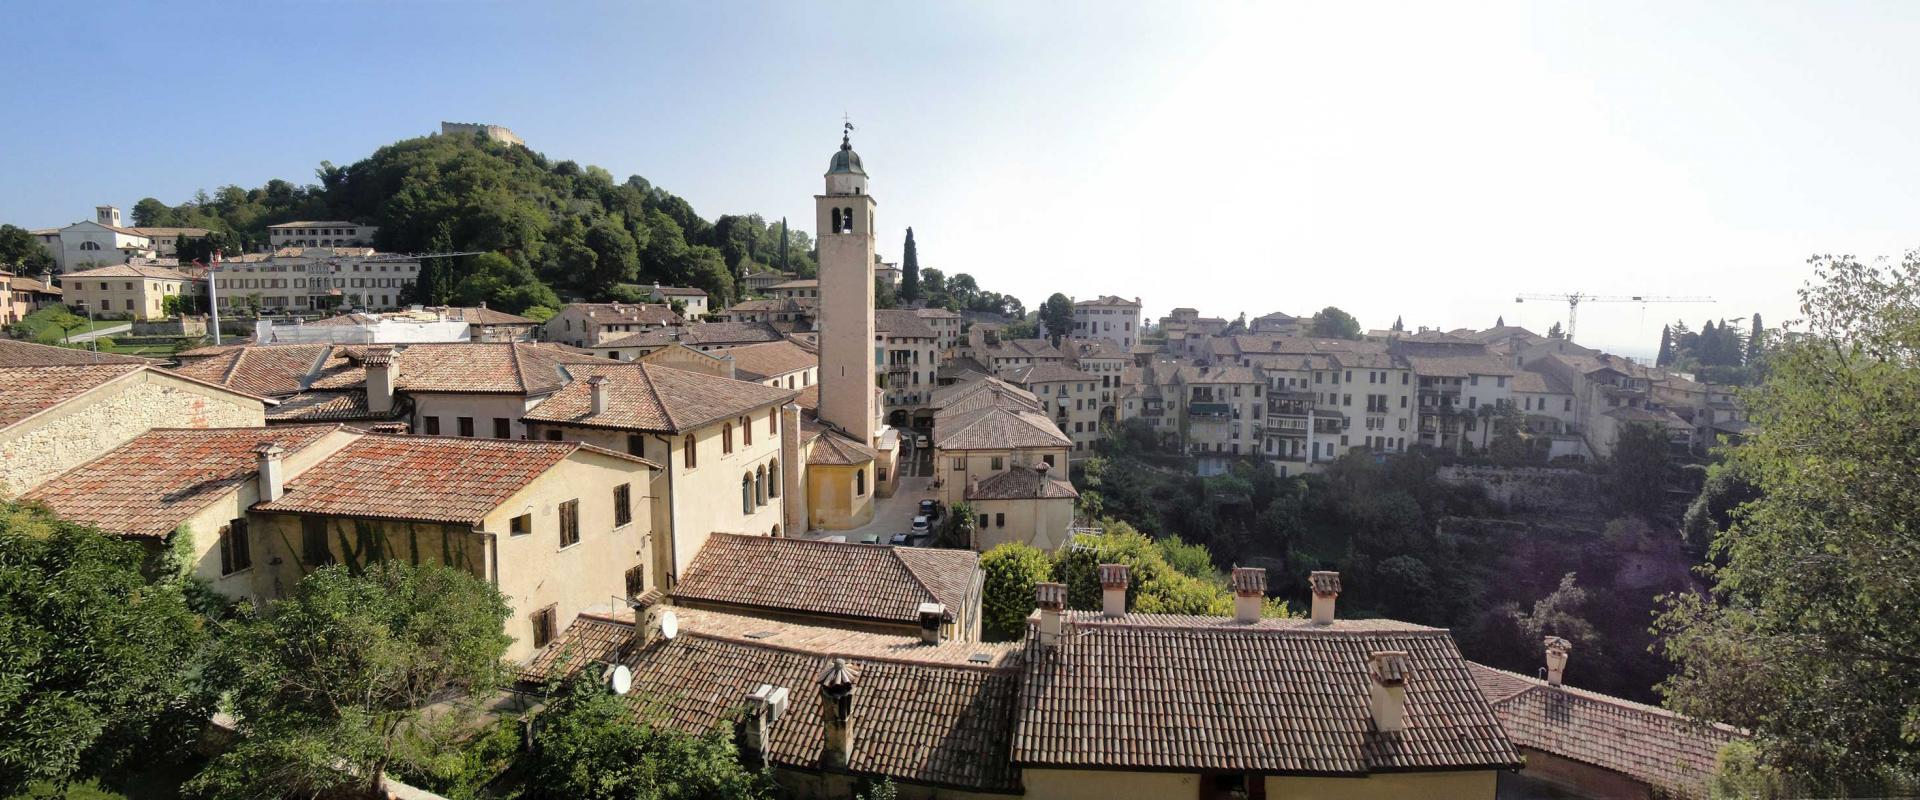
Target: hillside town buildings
{"x":104,"y":241}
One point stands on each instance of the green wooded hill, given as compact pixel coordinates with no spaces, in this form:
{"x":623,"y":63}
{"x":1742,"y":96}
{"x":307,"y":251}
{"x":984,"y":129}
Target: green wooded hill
{"x":553,"y":229}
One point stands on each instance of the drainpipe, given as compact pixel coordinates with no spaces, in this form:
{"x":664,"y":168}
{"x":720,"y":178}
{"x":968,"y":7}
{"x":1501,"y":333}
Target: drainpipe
{"x":673,"y":542}
{"x":492,"y":551}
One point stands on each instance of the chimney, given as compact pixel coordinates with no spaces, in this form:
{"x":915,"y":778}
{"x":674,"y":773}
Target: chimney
{"x":836,"y":710}
{"x":1113,"y":590}
{"x":727,"y":367}
{"x":1051,"y":598}
{"x":383,"y":372}
{"x":1326,"y":587}
{"x":272,"y":474}
{"x":1249,"y":589}
{"x":765,"y":705}
{"x":1557,"y":650}
{"x":933,"y":616}
{"x":1389,"y":670}
{"x":597,"y":386}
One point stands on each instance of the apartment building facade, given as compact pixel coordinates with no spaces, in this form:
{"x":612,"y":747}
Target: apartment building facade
{"x":127,"y":290}
{"x":320,"y":233}
{"x":301,"y":278}
{"x":1115,"y":319}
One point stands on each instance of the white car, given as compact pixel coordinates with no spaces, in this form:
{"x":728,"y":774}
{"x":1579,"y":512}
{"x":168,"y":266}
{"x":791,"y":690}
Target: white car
{"x":921,"y":441}
{"x":922,"y":525}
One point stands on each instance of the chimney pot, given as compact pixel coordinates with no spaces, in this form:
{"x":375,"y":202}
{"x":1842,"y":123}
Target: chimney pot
{"x":1051,"y":598}
{"x":836,"y":681}
{"x":1390,"y":671}
{"x":1326,"y":587}
{"x":1249,"y":590}
{"x":597,"y":385}
{"x":1113,"y":590}
{"x":272,"y":473}
{"x":933,"y":617}
{"x":1557,"y":651}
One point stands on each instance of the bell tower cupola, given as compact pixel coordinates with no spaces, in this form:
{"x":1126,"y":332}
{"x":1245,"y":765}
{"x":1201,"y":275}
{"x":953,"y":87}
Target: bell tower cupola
{"x":848,"y":357}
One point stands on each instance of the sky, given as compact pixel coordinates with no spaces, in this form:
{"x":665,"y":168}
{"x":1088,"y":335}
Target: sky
{"x":1423,"y":161}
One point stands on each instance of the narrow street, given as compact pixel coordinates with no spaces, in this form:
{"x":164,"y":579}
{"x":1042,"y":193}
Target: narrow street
{"x":895,"y":514}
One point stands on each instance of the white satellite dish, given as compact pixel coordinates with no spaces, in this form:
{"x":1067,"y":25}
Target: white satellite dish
{"x":621,"y":679}
{"x":669,"y":625}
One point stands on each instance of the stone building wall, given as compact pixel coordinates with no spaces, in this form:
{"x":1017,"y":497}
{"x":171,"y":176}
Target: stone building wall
{"x":36,"y":450}
{"x":1528,"y":488}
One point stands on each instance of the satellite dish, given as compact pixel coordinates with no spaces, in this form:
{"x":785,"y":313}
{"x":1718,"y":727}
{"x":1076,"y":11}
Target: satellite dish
{"x":621,"y":679}
{"x":669,"y":625}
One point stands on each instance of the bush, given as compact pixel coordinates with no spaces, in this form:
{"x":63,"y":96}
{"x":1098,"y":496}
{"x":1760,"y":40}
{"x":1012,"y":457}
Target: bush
{"x":589,"y":744}
{"x":1011,"y":570}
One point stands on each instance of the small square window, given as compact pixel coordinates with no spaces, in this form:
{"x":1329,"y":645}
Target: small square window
{"x":569,"y":523}
{"x":502,"y":428}
{"x":433,"y":425}
{"x":520,"y":525}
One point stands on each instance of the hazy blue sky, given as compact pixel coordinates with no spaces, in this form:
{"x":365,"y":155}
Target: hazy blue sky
{"x":1426,"y":160}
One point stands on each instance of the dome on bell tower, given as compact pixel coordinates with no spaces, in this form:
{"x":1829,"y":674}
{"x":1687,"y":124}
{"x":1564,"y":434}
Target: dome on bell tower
{"x":845,"y":162}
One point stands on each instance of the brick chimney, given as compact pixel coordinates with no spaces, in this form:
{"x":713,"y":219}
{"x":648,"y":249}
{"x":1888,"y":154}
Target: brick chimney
{"x":1051,"y":598}
{"x":1113,"y":590}
{"x":1326,"y":587}
{"x":383,"y":373}
{"x":1390,"y":670}
{"x":1249,"y":589}
{"x":836,"y":681}
{"x":933,"y":617}
{"x":765,"y":705}
{"x":597,"y":386}
{"x":272,"y":471}
{"x":1557,"y":651}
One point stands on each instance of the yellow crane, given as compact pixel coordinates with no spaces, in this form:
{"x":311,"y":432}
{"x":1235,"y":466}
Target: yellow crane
{"x":1574,"y":299}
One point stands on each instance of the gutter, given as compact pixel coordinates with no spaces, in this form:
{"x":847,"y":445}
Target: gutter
{"x":673,"y":540}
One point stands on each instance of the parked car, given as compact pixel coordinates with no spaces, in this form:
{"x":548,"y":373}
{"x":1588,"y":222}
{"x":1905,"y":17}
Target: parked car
{"x":871,"y":538}
{"x":922,"y":524}
{"x":930,"y":509}
{"x":922,"y":441}
{"x":920,"y":540}
{"x":898,"y":540}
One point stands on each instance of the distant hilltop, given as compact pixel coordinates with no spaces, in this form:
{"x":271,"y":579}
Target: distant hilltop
{"x":498,"y":133}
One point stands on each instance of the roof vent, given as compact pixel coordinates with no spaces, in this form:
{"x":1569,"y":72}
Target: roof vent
{"x":933,"y":617}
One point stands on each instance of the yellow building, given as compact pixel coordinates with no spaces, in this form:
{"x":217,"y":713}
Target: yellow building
{"x":132,"y":291}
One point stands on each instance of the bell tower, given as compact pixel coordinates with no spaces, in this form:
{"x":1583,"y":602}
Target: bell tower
{"x":848,"y":353}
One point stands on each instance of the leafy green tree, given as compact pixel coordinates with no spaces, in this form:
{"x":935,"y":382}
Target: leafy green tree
{"x":1332,"y":323}
{"x":23,"y":254}
{"x":963,"y":289}
{"x":1712,"y":511}
{"x":95,"y":659}
{"x":1554,"y":332}
{"x":592,"y":745}
{"x":1019,"y":329}
{"x":884,"y":295}
{"x":1637,"y":471}
{"x":1560,"y":613}
{"x":1056,"y":316}
{"x":956,"y":528}
{"x":933,"y":288}
{"x":1189,"y":559}
{"x":616,"y":257}
{"x":1011,"y":570}
{"x":909,"y":269}
{"x":1808,"y":638}
{"x":327,"y":685}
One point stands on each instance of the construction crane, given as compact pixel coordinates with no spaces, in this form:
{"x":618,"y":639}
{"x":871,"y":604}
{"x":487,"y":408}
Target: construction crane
{"x":1574,"y":299}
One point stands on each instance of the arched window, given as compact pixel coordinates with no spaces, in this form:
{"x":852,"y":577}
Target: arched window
{"x":846,"y":218}
{"x":746,"y":431}
{"x":689,"y":455}
{"x":89,"y":245}
{"x":746,"y":494}
{"x":773,"y":479}
{"x":760,"y":486}
{"x":860,"y":483}
{"x":773,"y":414}
{"x":836,"y":220}
{"x":726,"y":438}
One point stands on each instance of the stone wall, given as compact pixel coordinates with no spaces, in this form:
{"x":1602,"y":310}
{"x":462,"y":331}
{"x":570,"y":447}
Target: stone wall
{"x":35,"y":450}
{"x":1528,"y":488}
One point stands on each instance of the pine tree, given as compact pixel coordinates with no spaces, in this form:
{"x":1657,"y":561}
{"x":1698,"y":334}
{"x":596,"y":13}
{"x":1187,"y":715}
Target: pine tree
{"x":1554,"y":332}
{"x":1500,"y":321}
{"x":1756,"y":342}
{"x":1709,"y":353}
{"x":1398,"y":325}
{"x":1666,"y":347}
{"x":909,"y":270}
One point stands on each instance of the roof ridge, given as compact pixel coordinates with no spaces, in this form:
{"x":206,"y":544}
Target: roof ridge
{"x":1009,"y":665}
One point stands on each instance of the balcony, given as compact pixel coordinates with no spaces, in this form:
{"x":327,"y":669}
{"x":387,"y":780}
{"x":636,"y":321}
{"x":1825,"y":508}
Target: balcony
{"x":899,"y":369}
{"x":1210,"y":411}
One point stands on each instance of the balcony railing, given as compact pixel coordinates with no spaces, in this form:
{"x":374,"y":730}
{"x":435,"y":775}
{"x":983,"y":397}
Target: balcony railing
{"x":1210,"y":410}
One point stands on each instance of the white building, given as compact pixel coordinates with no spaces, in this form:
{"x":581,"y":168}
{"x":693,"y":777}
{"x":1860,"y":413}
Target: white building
{"x":302,"y":278}
{"x":329,"y":233}
{"x":1107,"y":317}
{"x":102,"y":241}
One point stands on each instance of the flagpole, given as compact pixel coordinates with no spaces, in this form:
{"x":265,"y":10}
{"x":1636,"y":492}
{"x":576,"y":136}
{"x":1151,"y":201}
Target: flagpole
{"x":213,"y":296}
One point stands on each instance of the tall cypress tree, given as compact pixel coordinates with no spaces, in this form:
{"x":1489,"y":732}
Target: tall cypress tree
{"x":909,"y":270}
{"x":1398,"y":325}
{"x":1666,"y":347}
{"x":1500,"y":321}
{"x":1756,"y":342}
{"x":784,"y":240}
{"x":1709,"y":345}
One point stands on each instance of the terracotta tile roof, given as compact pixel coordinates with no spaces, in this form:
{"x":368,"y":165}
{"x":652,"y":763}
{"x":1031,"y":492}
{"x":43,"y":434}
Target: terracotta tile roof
{"x":15,"y":353}
{"x":333,"y":406}
{"x":757,"y":362}
{"x":1285,"y":699}
{"x":854,"y":581}
{"x":999,"y":391}
{"x":900,"y":323}
{"x":640,"y":313}
{"x":154,"y":482}
{"x":474,"y":315}
{"x":269,"y":370}
{"x":486,"y":367}
{"x":1217,"y":375}
{"x":590,"y":639}
{"x":651,"y":397}
{"x":25,"y":391}
{"x":997,"y":428}
{"x":423,"y":478}
{"x":777,"y":305}
{"x":1095,"y":348}
{"x":1538,"y":382}
{"x":22,"y":283}
{"x":310,"y":223}
{"x":706,"y":334}
{"x":679,"y":291}
{"x":1647,"y":415}
{"x":128,"y":271}
{"x":1028,"y":348}
{"x":1109,"y":300}
{"x":1672,"y":753}
{"x":1459,"y":366}
{"x":935,"y":313}
{"x":835,"y":449}
{"x":803,"y":283}
{"x":1050,"y":372}
{"x":166,"y":231}
{"x":1021,"y":483}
